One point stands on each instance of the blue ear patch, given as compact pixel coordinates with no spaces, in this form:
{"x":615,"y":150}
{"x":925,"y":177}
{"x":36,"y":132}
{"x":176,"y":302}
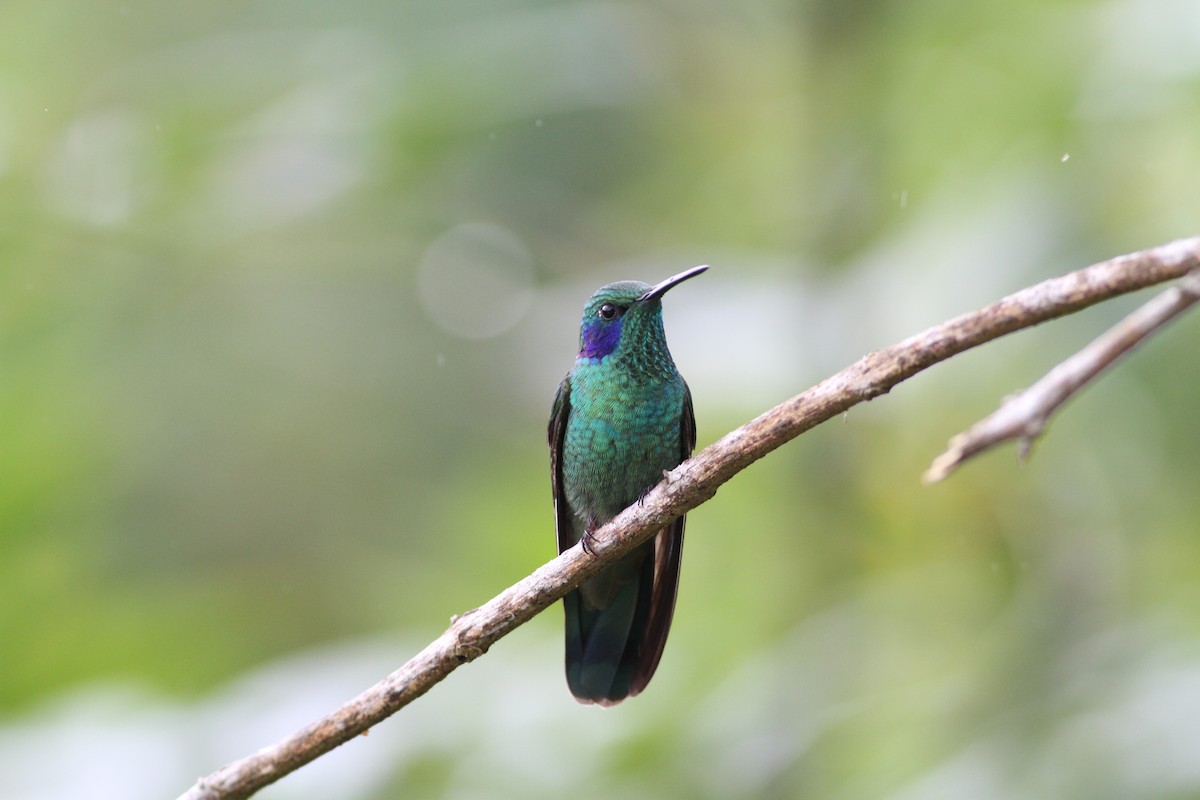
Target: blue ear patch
{"x":598,"y":339}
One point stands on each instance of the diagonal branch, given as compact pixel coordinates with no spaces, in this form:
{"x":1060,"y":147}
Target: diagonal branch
{"x":1024,"y":416}
{"x":687,"y":486}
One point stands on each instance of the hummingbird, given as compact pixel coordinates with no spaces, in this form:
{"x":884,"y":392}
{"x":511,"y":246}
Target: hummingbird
{"x":621,"y":418}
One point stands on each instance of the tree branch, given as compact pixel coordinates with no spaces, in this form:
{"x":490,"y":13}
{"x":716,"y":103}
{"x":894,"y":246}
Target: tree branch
{"x":687,"y":486}
{"x":1024,"y":416}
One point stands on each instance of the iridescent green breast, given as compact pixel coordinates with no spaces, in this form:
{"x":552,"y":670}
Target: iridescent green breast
{"x":622,"y":433}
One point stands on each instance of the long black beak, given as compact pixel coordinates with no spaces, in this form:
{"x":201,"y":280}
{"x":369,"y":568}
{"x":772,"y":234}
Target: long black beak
{"x":659,"y":289}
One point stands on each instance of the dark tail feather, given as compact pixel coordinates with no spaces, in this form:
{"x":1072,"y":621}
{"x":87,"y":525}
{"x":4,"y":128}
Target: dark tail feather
{"x":668,"y":551}
{"x":613,"y":652}
{"x":602,"y":671}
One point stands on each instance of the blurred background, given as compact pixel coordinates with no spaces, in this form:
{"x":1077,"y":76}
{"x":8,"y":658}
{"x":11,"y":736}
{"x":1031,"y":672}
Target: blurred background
{"x":286,"y":290}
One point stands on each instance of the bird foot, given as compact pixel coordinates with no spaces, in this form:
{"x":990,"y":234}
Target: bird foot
{"x":586,"y":541}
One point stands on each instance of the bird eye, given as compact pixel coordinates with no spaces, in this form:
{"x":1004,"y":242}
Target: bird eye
{"x":608,"y":311}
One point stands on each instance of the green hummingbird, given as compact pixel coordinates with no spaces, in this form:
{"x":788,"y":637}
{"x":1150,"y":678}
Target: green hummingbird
{"x":621,"y":417}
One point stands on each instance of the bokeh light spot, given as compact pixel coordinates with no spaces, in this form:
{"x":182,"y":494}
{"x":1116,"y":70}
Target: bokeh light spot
{"x":476,"y":280}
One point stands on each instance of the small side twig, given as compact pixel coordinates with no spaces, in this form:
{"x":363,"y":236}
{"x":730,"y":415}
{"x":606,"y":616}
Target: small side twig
{"x":1024,"y":416}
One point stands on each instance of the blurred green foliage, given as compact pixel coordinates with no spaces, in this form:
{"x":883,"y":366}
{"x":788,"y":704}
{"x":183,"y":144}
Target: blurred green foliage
{"x":244,"y":411}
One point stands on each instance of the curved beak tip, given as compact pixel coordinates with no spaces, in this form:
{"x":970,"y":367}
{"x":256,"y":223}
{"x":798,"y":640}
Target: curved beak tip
{"x":661,"y":287}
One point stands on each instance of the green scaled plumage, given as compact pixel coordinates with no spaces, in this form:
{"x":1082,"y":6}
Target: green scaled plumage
{"x":622,"y":416}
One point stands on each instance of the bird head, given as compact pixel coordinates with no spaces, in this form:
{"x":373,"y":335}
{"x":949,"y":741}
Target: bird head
{"x":624,"y":308}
